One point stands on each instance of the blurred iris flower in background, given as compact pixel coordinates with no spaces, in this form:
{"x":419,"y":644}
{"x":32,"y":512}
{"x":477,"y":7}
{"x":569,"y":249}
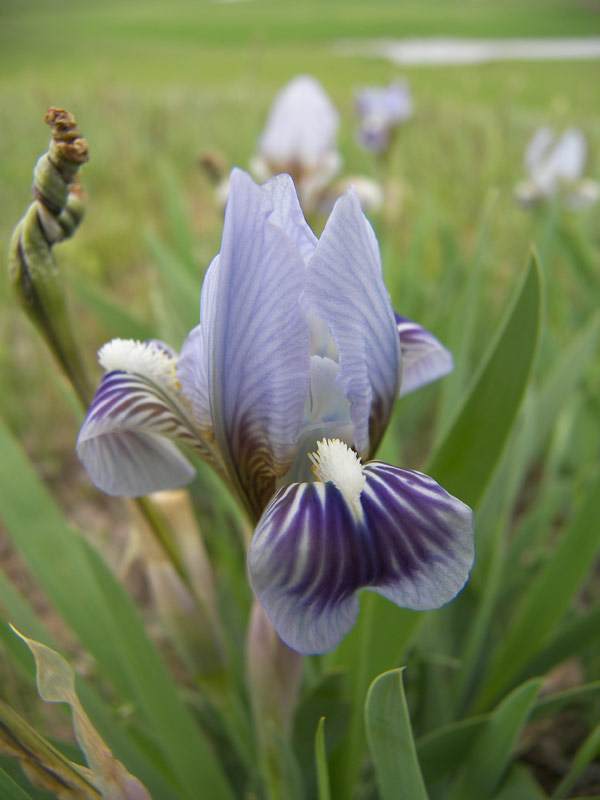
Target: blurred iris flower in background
{"x":554,"y":165}
{"x":300,"y":139}
{"x":381,"y":110}
{"x":285,"y":387}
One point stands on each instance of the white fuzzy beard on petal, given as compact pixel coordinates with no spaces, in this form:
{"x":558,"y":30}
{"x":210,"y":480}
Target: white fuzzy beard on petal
{"x":140,"y":358}
{"x":335,"y":461}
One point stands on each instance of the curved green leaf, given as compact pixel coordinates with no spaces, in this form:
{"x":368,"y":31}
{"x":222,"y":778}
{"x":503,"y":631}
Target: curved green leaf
{"x":321,"y":761}
{"x":547,"y":598}
{"x":390,"y":739}
{"x":487,"y":759}
{"x":470,"y":450}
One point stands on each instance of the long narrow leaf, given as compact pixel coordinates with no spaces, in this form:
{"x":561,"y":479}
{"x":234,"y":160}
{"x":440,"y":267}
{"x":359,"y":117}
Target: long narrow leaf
{"x":586,"y":753}
{"x":375,"y":644}
{"x":10,"y":790}
{"x":102,"y":615}
{"x":487,"y":759}
{"x":464,"y":464}
{"x":468,"y":454}
{"x":545,"y":602}
{"x":321,"y":762}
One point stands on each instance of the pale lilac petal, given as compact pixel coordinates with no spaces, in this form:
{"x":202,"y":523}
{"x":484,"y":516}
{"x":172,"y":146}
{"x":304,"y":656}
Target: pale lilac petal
{"x":287,"y":214}
{"x":311,"y":553}
{"x":424,"y":358}
{"x":345,"y":288}
{"x":125,"y":440}
{"x":192,"y":374}
{"x":258,"y":343}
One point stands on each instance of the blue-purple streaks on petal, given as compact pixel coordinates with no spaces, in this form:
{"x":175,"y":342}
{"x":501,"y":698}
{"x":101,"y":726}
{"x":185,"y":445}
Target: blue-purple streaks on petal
{"x":424,"y":358}
{"x":428,"y":534}
{"x":258,"y":344}
{"x":287,"y":214}
{"x":124,"y":442}
{"x":310,"y":554}
{"x":297,"y":565}
{"x":345,"y":288}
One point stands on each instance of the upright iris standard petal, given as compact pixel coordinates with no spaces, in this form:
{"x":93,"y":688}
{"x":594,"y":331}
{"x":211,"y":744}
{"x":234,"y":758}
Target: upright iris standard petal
{"x":287,"y":214}
{"x":192,"y":374}
{"x":345,"y":289}
{"x":400,"y":535}
{"x":258,"y":343}
{"x":424,"y":358}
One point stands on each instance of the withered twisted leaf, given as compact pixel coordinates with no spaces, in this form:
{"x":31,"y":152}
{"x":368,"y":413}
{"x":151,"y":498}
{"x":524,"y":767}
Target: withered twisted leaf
{"x":56,"y":684}
{"x":44,"y":765}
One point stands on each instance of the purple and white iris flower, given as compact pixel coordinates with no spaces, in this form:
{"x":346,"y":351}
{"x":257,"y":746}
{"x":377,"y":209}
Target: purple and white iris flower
{"x":381,"y":110}
{"x":286,"y":386}
{"x":554,"y":165}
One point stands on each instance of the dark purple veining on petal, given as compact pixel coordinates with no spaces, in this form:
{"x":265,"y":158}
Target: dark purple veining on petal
{"x":311,"y":554}
{"x":127,"y":403}
{"x":424,"y":357}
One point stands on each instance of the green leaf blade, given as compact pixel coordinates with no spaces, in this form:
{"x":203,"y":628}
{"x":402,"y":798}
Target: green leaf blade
{"x":390,"y":739}
{"x":468,"y":454}
{"x":491,"y":752}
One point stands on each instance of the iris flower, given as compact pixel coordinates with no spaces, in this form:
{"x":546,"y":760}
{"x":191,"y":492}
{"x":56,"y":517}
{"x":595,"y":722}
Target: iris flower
{"x":381,"y":110}
{"x":300,"y":139}
{"x":557,"y":164}
{"x":286,"y":387}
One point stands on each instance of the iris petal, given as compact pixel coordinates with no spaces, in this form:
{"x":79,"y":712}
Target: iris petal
{"x":257,"y":341}
{"x":345,"y":288}
{"x":311,"y":552}
{"x":287,"y":214}
{"x":125,"y":440}
{"x":424,"y":358}
{"x":192,"y":373}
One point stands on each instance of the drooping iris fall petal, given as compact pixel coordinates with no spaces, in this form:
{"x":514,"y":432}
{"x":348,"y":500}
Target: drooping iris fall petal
{"x":126,"y":442}
{"x":316,"y":545}
{"x":424,"y":358}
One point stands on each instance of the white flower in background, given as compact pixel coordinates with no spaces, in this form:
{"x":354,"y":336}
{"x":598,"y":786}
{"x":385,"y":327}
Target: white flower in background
{"x":300,"y":138}
{"x":554,"y":165}
{"x":381,"y":110}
